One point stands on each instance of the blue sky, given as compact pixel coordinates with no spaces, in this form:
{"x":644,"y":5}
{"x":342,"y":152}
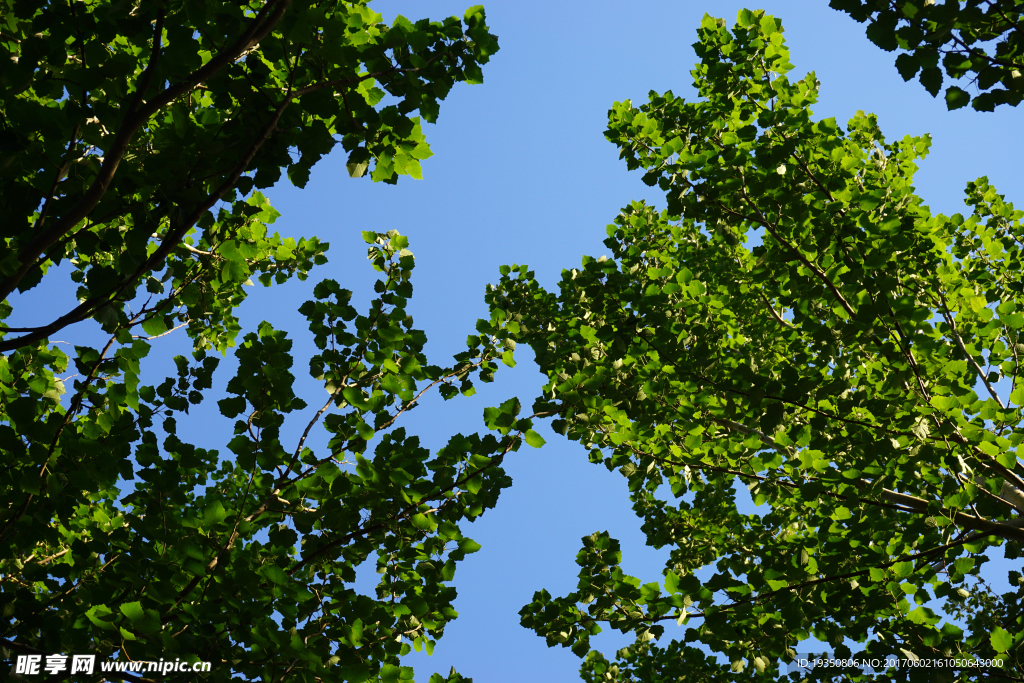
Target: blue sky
{"x":521,"y":173}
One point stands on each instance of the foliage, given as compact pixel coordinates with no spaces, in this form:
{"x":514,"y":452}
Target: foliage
{"x":979,"y":39}
{"x":135,"y":138}
{"x":153,"y":548}
{"x":123,"y":125}
{"x":797,"y":323}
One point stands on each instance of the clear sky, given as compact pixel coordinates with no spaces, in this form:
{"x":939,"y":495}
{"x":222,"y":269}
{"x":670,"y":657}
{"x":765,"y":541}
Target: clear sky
{"x":521,"y":173}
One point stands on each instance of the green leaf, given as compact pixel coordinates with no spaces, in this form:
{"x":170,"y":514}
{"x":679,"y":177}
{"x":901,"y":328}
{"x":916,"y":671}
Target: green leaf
{"x":964,"y":564}
{"x":768,"y":25}
{"x":101,"y":616}
{"x":533,"y":438}
{"x":29,"y":482}
{"x":1001,"y":639}
{"x":1007,"y":459}
{"x":945,"y":403}
{"x":274,"y":574}
{"x":882,"y":34}
{"x":956,"y":98}
{"x":132,"y":610}
{"x":214,"y":513}
{"x":366,"y":432}
{"x":908,"y":66}
{"x":931,"y":79}
{"x":154,"y":326}
{"x":468,"y":545}
{"x":903,"y":569}
{"x":1012,"y":320}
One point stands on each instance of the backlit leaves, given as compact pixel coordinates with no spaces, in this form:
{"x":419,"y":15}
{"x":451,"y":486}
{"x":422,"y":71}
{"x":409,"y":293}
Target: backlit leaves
{"x":798,"y":324}
{"x":135,"y":139}
{"x":251,"y":552}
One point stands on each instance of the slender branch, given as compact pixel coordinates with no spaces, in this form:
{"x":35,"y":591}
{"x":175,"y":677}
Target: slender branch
{"x":970,"y":359}
{"x":163,"y":334}
{"x":51,"y":558}
{"x":189,"y":247}
{"x":771,"y":309}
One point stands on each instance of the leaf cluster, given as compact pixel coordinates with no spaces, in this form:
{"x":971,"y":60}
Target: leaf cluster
{"x":974,"y":39}
{"x":135,"y":140}
{"x":798,"y":323}
{"x":133,"y":135}
{"x":121,"y":536}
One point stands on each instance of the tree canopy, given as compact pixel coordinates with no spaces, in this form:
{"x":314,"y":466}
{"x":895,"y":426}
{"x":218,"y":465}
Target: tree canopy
{"x":975,"y":39}
{"x":135,"y":139}
{"x":798,"y":323}
{"x":125,"y":543}
{"x":124,"y":127}
{"x":795,"y":322}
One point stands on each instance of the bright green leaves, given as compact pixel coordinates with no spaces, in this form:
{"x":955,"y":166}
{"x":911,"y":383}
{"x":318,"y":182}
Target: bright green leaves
{"x":219,"y":123}
{"x":1001,"y":640}
{"x":974,"y":40}
{"x":239,"y":540}
{"x":533,"y":439}
{"x":850,"y":371}
{"x":160,"y":534}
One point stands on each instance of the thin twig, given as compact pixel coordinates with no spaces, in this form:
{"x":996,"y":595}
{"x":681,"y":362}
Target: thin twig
{"x":970,"y":359}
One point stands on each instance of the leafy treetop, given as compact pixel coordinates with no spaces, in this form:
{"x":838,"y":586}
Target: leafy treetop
{"x":135,"y":138}
{"x":121,"y":536}
{"x":124,"y":125}
{"x":797,"y":323}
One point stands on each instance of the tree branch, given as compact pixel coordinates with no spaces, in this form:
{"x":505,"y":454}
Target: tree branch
{"x":970,"y":359}
{"x":261,"y":25}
